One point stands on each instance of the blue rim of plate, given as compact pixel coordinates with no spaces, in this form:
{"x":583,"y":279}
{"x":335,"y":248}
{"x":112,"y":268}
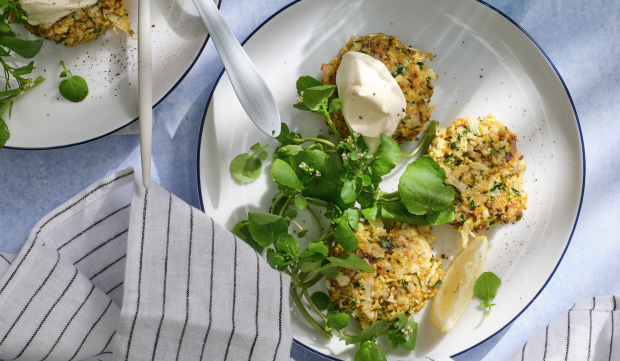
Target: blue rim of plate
{"x":136,"y":119}
{"x":583,"y":154}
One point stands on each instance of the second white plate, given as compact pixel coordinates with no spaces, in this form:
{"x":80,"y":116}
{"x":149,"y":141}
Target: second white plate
{"x":43,"y":119}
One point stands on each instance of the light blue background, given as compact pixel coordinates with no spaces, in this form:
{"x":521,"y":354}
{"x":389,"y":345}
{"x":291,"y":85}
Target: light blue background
{"x":582,"y":39}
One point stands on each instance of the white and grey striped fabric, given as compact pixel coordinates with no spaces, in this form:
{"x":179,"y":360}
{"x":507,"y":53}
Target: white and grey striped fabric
{"x":588,"y":331}
{"x":120,"y":272}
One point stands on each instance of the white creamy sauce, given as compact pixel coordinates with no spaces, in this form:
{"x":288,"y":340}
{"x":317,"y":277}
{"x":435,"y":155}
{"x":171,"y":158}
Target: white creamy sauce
{"x":373,"y":103}
{"x":47,"y":12}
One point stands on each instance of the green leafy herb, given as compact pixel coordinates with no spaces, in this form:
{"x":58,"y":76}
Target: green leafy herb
{"x":300,"y":202}
{"x":248,"y":167}
{"x":335,"y":106}
{"x":337,"y":321}
{"x":422,"y":188}
{"x":306,"y":82}
{"x":242,"y":230}
{"x":74,"y":89}
{"x":320,"y":300}
{"x":314,"y":97}
{"x":317,"y":249}
{"x":367,"y":334}
{"x":275,"y":259}
{"x":398,"y":212}
{"x":345,"y":237}
{"x":287,"y":245}
{"x":486,"y":288}
{"x":403,"y":332}
{"x":350,"y":261}
{"x":344,"y":179}
{"x":265,"y":228}
{"x":385,"y":243}
{"x":24,"y":48}
{"x":369,"y":351}
{"x":283,"y":173}
{"x":386,"y":158}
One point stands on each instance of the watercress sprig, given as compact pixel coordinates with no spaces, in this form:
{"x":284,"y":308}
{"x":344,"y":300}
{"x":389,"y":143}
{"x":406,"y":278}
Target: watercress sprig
{"x":25,"y":48}
{"x":486,"y":288}
{"x":314,"y":97}
{"x":347,"y":191}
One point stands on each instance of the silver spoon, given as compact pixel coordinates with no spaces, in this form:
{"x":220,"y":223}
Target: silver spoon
{"x":251,"y":89}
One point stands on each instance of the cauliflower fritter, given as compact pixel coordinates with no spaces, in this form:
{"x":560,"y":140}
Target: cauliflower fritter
{"x":406,"y":64}
{"x":85,"y":25}
{"x":482,"y":162}
{"x":407,"y":273}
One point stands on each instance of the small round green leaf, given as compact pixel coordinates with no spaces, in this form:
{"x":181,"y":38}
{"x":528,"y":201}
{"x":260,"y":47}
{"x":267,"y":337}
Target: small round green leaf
{"x":338,"y":321}
{"x":345,"y":237}
{"x":335,"y":105}
{"x":74,"y":89}
{"x":255,"y":146}
{"x":320,"y":300}
{"x":263,"y":155}
{"x":291,"y":213}
{"x":274,"y":258}
{"x":300,"y":202}
{"x":288,"y":245}
{"x":246,"y":168}
{"x":285,"y":175}
{"x":4,"y":27}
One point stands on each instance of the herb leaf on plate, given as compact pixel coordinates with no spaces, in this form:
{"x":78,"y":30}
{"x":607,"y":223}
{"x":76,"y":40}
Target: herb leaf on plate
{"x":23,"y":48}
{"x":422,"y":188}
{"x":248,"y":167}
{"x":74,"y":88}
{"x":486,"y":289}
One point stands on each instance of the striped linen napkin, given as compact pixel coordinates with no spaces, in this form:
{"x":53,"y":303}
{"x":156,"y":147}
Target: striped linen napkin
{"x":120,"y":272}
{"x":588,"y":331}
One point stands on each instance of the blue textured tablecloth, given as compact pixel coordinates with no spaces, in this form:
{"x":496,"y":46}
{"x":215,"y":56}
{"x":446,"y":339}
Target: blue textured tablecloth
{"x":582,"y":39}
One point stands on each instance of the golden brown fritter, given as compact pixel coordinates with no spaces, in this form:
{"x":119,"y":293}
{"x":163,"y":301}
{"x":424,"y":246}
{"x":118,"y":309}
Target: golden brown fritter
{"x":85,"y":25}
{"x":406,"y":64}
{"x":407,"y":274}
{"x":482,"y":162}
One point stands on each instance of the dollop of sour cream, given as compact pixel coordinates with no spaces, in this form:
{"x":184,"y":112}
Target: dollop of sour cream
{"x":47,"y":12}
{"x":373,"y":103}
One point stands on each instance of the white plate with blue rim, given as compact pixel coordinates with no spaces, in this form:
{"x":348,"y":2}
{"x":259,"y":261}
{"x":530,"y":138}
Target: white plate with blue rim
{"x":486,"y":64}
{"x":43,"y":119}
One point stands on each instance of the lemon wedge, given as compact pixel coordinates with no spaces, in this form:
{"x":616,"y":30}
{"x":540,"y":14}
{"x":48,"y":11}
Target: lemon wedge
{"x":454,"y":294}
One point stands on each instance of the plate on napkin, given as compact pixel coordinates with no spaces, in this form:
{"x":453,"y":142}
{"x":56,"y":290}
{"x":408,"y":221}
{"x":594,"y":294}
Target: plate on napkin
{"x":486,"y":64}
{"x":43,"y":119}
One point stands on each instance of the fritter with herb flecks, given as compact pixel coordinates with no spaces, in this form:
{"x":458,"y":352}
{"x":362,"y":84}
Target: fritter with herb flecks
{"x":85,"y":25}
{"x":407,"y":273}
{"x":482,"y":162}
{"x":406,"y":64}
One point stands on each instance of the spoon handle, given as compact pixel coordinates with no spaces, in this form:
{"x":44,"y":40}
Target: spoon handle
{"x":251,"y":89}
{"x":145,"y":88}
